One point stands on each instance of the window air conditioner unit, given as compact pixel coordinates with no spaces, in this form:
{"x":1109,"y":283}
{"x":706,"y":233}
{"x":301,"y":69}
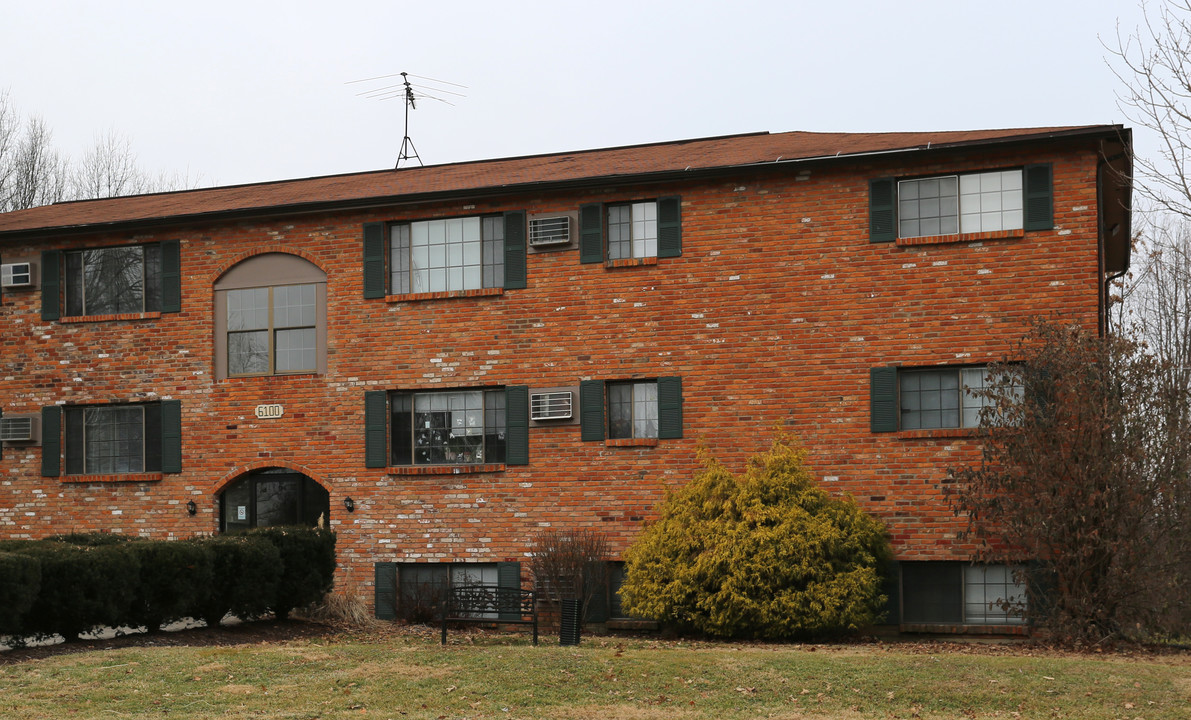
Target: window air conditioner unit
{"x":550,"y":405}
{"x":19,"y":429}
{"x":547,"y":231}
{"x":17,"y":275}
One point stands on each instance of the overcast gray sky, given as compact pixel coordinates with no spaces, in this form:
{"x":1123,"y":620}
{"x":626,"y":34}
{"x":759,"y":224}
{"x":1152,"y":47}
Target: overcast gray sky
{"x":250,"y":91}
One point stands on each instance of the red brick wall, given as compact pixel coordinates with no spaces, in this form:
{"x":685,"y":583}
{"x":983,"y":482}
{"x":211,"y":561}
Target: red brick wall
{"x":774,"y":314}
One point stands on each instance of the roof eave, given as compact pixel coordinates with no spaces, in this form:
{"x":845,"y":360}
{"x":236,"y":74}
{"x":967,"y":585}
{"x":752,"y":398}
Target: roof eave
{"x":267,"y":211}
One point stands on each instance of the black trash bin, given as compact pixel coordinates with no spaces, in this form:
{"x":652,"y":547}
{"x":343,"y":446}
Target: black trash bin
{"x":568,"y":626}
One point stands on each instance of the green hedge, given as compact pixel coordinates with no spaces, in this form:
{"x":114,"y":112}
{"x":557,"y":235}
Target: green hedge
{"x":73,"y":584}
{"x":307,"y":562}
{"x":246,"y":571}
{"x":20,"y":581}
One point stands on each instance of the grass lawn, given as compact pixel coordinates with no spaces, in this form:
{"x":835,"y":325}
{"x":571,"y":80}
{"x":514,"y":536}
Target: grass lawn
{"x":389,"y":673}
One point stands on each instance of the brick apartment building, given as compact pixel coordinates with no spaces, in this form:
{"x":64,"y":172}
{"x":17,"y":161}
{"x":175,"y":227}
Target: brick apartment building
{"x":444,"y":360}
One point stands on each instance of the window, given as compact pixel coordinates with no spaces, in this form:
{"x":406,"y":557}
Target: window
{"x":448,"y":428}
{"x":112,"y":439}
{"x":632,"y":230}
{"x":450,"y":255}
{"x":961,"y":593}
{"x":638,"y":409}
{"x":275,"y":496}
{"x":937,"y":397}
{"x":272,"y":330}
{"x":414,"y":591}
{"x":447,"y":255}
{"x":627,"y":231}
{"x":633,"y":410}
{"x":1016,"y":199}
{"x":978,"y":202}
{"x":270,"y":318}
{"x":112,"y":280}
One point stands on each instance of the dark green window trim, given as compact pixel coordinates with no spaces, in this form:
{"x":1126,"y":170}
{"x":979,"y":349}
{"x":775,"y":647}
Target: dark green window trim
{"x":882,"y":210}
{"x":1038,"y":197}
{"x":51,"y":441}
{"x":376,"y":428}
{"x":374,"y":260}
{"x":515,"y":250}
{"x":669,"y":226}
{"x":508,"y":575}
{"x":51,"y":289}
{"x":591,"y":233}
{"x":883,"y":407}
{"x":669,"y":408}
{"x":517,"y":425}
{"x":591,"y":410}
{"x":171,"y":436}
{"x":171,"y":276}
{"x":385,"y":590}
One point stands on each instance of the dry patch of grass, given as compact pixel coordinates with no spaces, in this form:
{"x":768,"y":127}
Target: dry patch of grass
{"x":382,"y":674}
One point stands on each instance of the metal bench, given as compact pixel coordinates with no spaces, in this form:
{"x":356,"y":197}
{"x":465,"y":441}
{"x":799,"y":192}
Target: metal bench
{"x":489,"y":604}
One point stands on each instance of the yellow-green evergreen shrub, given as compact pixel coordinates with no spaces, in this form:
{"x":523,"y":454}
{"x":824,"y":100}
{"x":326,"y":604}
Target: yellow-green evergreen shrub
{"x":767,"y":554}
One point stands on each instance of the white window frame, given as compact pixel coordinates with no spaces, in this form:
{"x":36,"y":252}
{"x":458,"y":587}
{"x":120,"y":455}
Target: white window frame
{"x":961,"y":203}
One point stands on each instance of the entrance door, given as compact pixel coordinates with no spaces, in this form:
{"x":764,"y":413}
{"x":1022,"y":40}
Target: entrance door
{"x":275,"y":496}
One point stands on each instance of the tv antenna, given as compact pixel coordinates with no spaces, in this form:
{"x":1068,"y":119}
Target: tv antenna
{"x":410,"y":93}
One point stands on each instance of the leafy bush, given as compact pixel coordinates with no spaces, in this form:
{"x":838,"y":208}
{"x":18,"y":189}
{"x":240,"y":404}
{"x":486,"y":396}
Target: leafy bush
{"x":764,"y":555}
{"x":307,"y":565}
{"x":175,"y":582}
{"x":245,"y":573}
{"x":20,"y":581}
{"x":94,"y":539}
{"x":82,"y":588}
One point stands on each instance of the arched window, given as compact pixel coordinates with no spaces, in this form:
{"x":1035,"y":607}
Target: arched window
{"x":271,"y":318}
{"x":274,"y":496}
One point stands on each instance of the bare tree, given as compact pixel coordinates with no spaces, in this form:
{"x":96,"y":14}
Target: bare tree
{"x":1084,"y":477}
{"x":33,"y":172}
{"x":570,"y":565}
{"x":1153,"y":66}
{"x":108,"y":169}
{"x":38,"y":173}
{"x":9,"y":124}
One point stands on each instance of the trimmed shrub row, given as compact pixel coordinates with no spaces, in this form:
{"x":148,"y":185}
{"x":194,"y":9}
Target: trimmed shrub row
{"x":72,"y":584}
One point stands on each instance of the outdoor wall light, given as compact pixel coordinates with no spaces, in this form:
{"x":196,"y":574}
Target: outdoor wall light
{"x":191,"y":507}
{"x":349,"y":504}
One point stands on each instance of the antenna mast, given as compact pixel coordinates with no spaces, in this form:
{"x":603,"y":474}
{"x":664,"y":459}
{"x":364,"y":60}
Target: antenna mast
{"x":411,"y":93}
{"x":407,"y":145}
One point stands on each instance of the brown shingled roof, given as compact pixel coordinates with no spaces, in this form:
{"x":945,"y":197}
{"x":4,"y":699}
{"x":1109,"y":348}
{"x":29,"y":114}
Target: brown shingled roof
{"x":493,"y":175}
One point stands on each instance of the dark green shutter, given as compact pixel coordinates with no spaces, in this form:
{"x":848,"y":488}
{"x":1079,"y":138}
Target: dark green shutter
{"x":1039,"y":197}
{"x":669,"y":408}
{"x":171,"y":276}
{"x":883,"y":410}
{"x":669,"y":227}
{"x":508,"y":575}
{"x":385,"y":590}
{"x":51,"y":274}
{"x":591,"y":410}
{"x":517,"y":425}
{"x":374,"y":260}
{"x":591,"y":233}
{"x":171,"y":436}
{"x":51,"y":441}
{"x":882,"y":210}
{"x":515,"y":271}
{"x":376,"y":407}
{"x":1,"y":303}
